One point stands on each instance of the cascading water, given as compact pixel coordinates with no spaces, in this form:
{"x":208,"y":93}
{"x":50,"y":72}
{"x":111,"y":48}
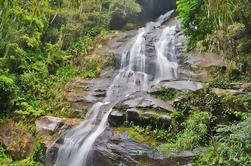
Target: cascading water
{"x":166,"y":57}
{"x":132,"y":77}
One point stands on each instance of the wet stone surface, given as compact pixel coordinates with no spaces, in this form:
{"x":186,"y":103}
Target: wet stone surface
{"x":113,"y":150}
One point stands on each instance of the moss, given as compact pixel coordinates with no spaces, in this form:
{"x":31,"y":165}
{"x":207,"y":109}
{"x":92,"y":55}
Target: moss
{"x":119,"y":108}
{"x":166,"y":93}
{"x":148,"y":135}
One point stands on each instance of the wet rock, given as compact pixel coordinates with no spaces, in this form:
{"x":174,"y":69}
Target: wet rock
{"x":50,"y":128}
{"x":154,"y":8}
{"x":119,"y":149}
{"x":17,"y":142}
{"x":132,"y":115}
{"x":143,"y":100}
{"x":156,"y":119}
{"x":83,"y":93}
{"x":178,"y":85}
{"x":116,"y":118}
{"x":140,"y":117}
{"x":145,"y":118}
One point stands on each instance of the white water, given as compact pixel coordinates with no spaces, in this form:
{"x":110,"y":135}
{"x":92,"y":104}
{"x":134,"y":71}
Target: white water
{"x":166,"y":55}
{"x":132,"y":77}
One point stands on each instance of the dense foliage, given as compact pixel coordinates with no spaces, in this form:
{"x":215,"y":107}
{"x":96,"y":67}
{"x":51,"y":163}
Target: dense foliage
{"x":46,"y":43}
{"x":38,"y":41}
{"x":222,"y":27}
{"x":43,"y":45}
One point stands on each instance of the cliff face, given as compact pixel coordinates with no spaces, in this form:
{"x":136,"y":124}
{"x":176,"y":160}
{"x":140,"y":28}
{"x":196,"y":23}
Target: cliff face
{"x":151,"y":9}
{"x":154,"y":8}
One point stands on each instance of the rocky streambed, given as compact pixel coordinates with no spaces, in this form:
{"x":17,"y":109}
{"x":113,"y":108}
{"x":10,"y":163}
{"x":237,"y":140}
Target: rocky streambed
{"x":151,"y":107}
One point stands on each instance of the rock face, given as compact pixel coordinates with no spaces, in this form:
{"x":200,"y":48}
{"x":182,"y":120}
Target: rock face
{"x":151,"y":9}
{"x":207,"y":60}
{"x":82,"y":94}
{"x":116,"y":118}
{"x":142,"y":109}
{"x":138,"y":108}
{"x":113,"y":150}
{"x":154,"y":8}
{"x":182,"y":85}
{"x":54,"y":124}
{"x":143,"y":100}
{"x":48,"y":123}
{"x":53,"y":127}
{"x":17,"y":142}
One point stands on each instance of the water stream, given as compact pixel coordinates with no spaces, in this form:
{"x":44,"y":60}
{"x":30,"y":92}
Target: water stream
{"x":133,"y":76}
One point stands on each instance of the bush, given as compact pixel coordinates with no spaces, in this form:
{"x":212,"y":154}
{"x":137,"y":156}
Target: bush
{"x":56,"y":57}
{"x":166,"y":93}
{"x":8,"y":91}
{"x":121,"y":10}
{"x":92,"y":67}
{"x":230,"y":146}
{"x":193,"y":133}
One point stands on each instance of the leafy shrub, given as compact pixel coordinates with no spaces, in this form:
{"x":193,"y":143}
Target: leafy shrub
{"x":82,"y":46}
{"x":27,"y":110}
{"x":121,"y":10}
{"x":92,"y":67}
{"x":220,"y":82}
{"x":56,"y":57}
{"x":166,"y":93}
{"x":4,"y":159}
{"x":193,"y":133}
{"x":8,"y":91}
{"x":231,"y":146}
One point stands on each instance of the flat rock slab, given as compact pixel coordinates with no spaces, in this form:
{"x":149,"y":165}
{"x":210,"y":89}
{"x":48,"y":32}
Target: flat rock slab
{"x":226,"y":92}
{"x":144,"y":100}
{"x":178,"y":85}
{"x":53,"y":124}
{"x":139,"y":117}
{"x":48,"y":123}
{"x":90,"y":90}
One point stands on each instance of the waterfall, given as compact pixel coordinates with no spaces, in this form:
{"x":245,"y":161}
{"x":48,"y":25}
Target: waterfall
{"x":133,"y":76}
{"x":166,"y":57}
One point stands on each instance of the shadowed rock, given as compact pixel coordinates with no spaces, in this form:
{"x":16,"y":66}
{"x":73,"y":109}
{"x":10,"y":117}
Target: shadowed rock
{"x":113,"y":150}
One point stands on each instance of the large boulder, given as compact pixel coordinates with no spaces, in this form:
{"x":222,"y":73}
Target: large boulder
{"x":52,"y":124}
{"x":144,"y":101}
{"x":50,"y":128}
{"x":145,"y":118}
{"x":119,"y":149}
{"x":116,"y":118}
{"x":141,"y":109}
